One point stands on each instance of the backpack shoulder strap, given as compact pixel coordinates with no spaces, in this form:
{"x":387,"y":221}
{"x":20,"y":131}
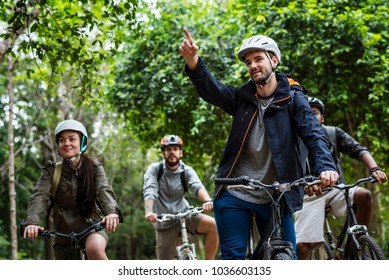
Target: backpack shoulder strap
{"x":56,"y":177}
{"x":292,"y":92}
{"x":301,"y":149}
{"x":183,"y":181}
{"x":160,"y":171}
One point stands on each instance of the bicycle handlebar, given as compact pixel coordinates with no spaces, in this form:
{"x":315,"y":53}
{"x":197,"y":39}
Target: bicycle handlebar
{"x":244,"y":182}
{"x":167,"y":217}
{"x":75,"y":236}
{"x":343,"y":186}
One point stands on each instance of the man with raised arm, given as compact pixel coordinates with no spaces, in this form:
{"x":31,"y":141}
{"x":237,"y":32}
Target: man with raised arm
{"x":262,"y":140}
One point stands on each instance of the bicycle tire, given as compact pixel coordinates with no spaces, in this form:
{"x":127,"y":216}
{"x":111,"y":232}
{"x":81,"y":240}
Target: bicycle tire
{"x":370,"y":250}
{"x":186,"y":255}
{"x":323,"y":252}
{"x":282,"y":256}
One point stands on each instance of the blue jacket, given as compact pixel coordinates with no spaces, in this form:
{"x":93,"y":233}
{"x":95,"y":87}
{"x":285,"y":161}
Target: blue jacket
{"x":281,"y":127}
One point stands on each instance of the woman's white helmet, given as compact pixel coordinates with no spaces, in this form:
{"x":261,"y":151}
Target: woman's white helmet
{"x":259,"y":42}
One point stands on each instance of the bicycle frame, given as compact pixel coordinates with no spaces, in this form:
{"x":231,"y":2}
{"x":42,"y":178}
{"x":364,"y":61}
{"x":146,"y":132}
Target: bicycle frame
{"x":349,"y":232}
{"x":273,"y":246}
{"x":353,"y":237}
{"x":185,"y":240}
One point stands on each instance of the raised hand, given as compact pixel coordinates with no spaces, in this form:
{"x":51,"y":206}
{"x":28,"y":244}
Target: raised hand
{"x":189,"y":49}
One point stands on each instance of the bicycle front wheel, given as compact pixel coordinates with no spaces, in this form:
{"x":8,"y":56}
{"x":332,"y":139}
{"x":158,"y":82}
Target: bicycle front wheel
{"x":186,"y":254}
{"x":369,"y":249}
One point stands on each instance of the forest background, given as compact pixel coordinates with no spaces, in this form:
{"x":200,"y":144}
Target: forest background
{"x":114,"y":65}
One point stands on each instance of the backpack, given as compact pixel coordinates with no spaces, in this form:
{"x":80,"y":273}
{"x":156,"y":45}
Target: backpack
{"x":182,"y":176}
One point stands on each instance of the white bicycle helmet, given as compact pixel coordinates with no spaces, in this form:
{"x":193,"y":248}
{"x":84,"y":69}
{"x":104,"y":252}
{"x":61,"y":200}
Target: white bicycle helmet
{"x":75,"y":126}
{"x":259,"y":42}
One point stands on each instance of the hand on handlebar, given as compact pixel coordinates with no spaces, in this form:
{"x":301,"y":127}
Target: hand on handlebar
{"x":151,"y":217}
{"x":313,"y":190}
{"x":208,"y":206}
{"x":111,"y":222}
{"x":380,"y":176}
{"x":328,"y":178}
{"x":32,"y":231}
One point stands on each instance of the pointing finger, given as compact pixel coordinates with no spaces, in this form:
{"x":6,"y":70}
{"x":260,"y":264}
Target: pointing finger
{"x":187,"y":34}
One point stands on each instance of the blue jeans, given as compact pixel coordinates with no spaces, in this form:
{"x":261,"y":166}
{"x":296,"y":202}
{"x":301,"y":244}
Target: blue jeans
{"x":233,"y":219}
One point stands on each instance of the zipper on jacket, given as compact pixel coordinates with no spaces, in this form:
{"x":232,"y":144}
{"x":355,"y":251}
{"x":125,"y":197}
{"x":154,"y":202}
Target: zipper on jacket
{"x":245,"y":114}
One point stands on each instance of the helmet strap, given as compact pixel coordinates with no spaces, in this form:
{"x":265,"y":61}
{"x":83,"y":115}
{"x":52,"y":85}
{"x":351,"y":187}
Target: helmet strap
{"x":273,"y":69}
{"x":83,"y":147}
{"x":261,"y":85}
{"x":73,"y":158}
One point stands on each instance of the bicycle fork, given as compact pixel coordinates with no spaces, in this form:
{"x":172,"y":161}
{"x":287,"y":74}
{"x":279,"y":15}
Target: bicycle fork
{"x":185,"y":239}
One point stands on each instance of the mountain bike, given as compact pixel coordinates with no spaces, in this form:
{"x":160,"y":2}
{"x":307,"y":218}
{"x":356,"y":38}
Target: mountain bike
{"x":76,"y":238}
{"x":185,"y":251}
{"x":354,"y":241}
{"x":273,"y":247}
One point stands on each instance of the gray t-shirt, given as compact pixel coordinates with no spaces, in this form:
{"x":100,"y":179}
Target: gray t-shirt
{"x":256,"y":161}
{"x":168,"y":193}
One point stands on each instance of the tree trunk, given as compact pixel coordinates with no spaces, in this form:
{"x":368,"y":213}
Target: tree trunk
{"x":11,"y":168}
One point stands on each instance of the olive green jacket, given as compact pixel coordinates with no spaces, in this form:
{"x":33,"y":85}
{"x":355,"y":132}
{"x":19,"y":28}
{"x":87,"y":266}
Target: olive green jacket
{"x":66,"y":217}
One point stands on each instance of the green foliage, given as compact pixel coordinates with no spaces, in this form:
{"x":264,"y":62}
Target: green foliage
{"x":66,"y":54}
{"x":72,"y":38}
{"x":151,"y":89}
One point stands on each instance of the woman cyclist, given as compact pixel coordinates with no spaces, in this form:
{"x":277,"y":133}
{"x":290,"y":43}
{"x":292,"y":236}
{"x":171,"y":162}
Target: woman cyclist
{"x":82,"y":187}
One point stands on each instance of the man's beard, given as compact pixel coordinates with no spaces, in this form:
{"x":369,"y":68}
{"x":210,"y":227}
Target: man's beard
{"x":265,"y":75}
{"x":172,"y":162}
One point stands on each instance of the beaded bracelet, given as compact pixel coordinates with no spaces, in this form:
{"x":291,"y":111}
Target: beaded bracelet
{"x":374,"y":169}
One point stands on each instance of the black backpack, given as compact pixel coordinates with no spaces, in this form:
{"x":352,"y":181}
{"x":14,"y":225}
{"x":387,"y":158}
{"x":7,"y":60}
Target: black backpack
{"x":182,"y":176}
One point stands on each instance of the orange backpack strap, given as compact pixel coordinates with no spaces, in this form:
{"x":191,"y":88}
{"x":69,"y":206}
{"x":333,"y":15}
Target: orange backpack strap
{"x":293,"y":82}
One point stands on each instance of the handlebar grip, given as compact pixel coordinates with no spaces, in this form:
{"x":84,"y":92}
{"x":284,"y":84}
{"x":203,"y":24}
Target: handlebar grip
{"x":232,"y":181}
{"x":22,"y":226}
{"x":159,"y":217}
